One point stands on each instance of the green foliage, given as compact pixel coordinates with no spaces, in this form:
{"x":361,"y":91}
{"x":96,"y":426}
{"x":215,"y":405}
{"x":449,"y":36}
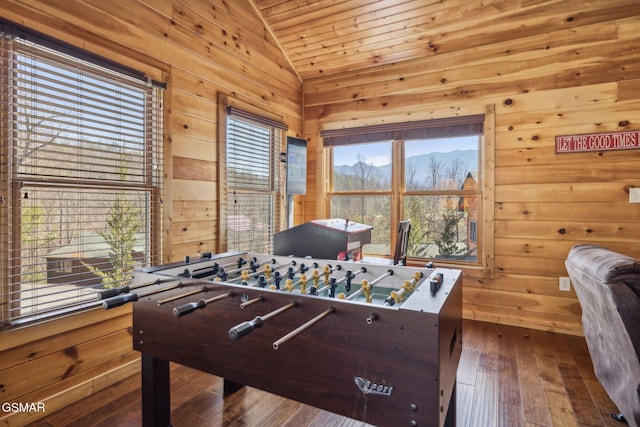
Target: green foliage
{"x":123,"y":222}
{"x":448,"y":241}
{"x":34,"y":237}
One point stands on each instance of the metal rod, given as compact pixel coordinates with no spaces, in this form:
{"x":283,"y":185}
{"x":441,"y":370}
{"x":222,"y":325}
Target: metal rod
{"x":327,"y":270}
{"x":122,"y":299}
{"x":408,"y":286}
{"x":279,"y":310}
{"x":350,"y":275}
{"x":303,"y":327}
{"x":109,"y":293}
{"x":216,"y":266}
{"x":368,"y":285}
{"x":239,"y":269}
{"x":245,"y":328}
{"x":274,"y":268}
{"x":186,"y":294}
{"x":377,"y":279}
{"x":356,"y":293}
{"x":251,"y":301}
{"x":219,"y":297}
{"x":192,"y":306}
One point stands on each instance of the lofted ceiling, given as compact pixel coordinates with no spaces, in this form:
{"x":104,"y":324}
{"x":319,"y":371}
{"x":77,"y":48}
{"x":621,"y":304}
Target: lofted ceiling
{"x":327,"y":37}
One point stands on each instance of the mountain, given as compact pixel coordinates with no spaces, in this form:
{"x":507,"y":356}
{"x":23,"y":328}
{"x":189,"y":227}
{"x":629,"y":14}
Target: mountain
{"x":468,"y":162}
{"x":421,"y":164}
{"x":358,"y":168}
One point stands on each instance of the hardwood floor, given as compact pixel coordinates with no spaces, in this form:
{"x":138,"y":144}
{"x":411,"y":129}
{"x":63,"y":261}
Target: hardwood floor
{"x":507,"y":377}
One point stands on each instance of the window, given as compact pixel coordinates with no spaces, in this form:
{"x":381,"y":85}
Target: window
{"x":426,"y":172}
{"x":81,"y":176}
{"x":252,"y":180}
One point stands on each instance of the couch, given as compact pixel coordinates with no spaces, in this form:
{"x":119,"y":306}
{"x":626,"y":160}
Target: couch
{"x":608,"y":287}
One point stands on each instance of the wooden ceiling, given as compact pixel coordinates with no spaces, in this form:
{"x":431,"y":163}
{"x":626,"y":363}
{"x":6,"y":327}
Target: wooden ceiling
{"x":326,"y":37}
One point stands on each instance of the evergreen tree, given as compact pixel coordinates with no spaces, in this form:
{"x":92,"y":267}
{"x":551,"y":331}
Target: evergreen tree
{"x":122,"y":225}
{"x":448,"y":242}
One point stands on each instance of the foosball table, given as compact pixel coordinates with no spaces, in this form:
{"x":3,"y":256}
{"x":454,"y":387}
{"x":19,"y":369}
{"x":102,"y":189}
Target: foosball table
{"x":376,"y":343}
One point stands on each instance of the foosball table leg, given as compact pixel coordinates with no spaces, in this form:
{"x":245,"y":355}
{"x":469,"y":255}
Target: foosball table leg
{"x":156,"y":393}
{"x":450,"y":420}
{"x":230,"y":387}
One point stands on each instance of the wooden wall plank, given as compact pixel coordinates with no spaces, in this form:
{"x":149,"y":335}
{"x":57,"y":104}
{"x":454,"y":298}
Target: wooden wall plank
{"x":618,"y":211}
{"x":182,"y":26}
{"x":190,"y":231}
{"x":569,"y":192}
{"x":513,"y":317}
{"x":544,"y":154}
{"x":519,"y":301}
{"x":45,"y":346}
{"x":20,"y":336}
{"x":597,"y":117}
{"x":247,"y":38}
{"x":188,"y":147}
{"x":187,"y":103}
{"x":191,"y":248}
{"x":555,"y":250}
{"x":194,"y":127}
{"x":595,"y":232}
{"x":190,"y":210}
{"x":521,"y":284}
{"x":60,"y":365}
{"x":195,"y":190}
{"x":566,"y":171}
{"x":194,"y":169}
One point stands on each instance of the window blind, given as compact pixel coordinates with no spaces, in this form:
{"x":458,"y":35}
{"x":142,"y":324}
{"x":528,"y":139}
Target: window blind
{"x":422,"y":129}
{"x":81,"y":178}
{"x":253,"y":181}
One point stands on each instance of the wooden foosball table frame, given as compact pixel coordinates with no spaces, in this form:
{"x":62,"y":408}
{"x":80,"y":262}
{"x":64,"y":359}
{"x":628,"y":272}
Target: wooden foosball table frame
{"x":387,"y":364}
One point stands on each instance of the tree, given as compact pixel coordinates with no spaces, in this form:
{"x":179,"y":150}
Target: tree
{"x":123,"y":222}
{"x":448,"y":241}
{"x":35,"y":237}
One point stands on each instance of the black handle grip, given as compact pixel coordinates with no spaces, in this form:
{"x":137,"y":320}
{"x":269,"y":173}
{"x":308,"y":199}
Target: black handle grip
{"x":119,"y":300}
{"x":244,"y":328}
{"x":188,"y":308}
{"x":435,"y":286}
{"x":110,"y":293}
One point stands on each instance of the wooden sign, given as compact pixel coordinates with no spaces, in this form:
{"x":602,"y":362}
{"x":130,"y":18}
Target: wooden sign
{"x":598,"y":142}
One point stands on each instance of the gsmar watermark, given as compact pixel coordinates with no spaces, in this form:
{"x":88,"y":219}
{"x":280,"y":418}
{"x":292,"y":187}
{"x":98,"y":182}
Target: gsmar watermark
{"x":8,"y":407}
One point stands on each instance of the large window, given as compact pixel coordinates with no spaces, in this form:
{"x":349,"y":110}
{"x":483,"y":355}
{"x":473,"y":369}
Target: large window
{"x":81,"y":176}
{"x":252,"y":179}
{"x":427,"y":173}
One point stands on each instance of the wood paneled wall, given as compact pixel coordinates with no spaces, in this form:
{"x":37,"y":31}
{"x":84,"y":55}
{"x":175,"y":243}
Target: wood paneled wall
{"x":551,"y":67}
{"x":200,"y":48}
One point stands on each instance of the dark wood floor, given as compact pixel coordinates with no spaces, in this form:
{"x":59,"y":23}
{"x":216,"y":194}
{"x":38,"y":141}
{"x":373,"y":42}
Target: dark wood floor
{"x":507,"y":377}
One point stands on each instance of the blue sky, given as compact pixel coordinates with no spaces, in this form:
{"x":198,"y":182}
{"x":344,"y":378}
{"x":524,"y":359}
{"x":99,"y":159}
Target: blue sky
{"x":379,"y":154}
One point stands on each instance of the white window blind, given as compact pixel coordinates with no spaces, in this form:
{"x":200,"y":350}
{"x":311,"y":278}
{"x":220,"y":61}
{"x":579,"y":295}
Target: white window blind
{"x":253,"y":181}
{"x":80,"y":180}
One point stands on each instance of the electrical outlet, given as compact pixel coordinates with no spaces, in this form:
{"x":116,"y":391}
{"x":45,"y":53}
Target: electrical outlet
{"x":565,"y":284}
{"x":634,"y":195}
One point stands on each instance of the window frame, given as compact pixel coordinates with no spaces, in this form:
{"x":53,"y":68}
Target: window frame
{"x":11,"y":181}
{"x":485,"y":223}
{"x":230,"y":106}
